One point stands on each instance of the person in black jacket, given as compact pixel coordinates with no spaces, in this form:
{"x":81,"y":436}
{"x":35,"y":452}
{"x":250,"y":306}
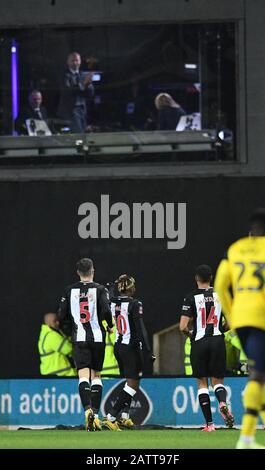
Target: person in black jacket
{"x":130,"y":346}
{"x":34,"y":110}
{"x":169,"y":112}
{"x":76,"y":90}
{"x":86,"y":304}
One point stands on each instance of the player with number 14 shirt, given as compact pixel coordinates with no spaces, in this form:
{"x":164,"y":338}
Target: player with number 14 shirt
{"x":202,"y":307}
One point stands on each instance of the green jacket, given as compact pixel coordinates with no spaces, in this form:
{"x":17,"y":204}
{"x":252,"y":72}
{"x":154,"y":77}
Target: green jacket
{"x":55,"y":349}
{"x":188,"y":366}
{"x":231,"y":336}
{"x":110,"y":365}
{"x":235,"y":355}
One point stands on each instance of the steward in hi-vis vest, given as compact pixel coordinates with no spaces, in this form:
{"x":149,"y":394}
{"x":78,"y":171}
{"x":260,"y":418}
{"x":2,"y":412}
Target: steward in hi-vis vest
{"x":55,"y":349}
{"x":187,"y":363}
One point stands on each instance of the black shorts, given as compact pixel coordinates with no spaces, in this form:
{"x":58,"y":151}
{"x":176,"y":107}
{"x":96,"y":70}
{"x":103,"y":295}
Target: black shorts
{"x":89,"y":355}
{"x":129,"y":360}
{"x":208,"y":357}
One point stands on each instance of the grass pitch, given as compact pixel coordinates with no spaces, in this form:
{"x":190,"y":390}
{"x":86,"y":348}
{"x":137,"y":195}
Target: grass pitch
{"x":136,"y":439}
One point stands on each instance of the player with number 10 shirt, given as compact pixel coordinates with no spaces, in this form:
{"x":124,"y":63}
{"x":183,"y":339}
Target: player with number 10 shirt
{"x":131,"y":341}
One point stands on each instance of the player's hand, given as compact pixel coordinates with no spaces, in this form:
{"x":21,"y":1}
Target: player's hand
{"x":110,"y":330}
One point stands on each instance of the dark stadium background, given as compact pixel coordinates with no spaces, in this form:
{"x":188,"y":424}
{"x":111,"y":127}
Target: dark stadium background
{"x":40,"y":245}
{"x":39,"y":200}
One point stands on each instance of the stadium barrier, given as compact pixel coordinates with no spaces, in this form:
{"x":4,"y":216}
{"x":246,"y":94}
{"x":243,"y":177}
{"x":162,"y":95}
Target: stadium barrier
{"x":160,"y":401}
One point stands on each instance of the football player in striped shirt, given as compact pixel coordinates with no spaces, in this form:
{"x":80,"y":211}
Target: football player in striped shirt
{"x":86,"y":304}
{"x":208,"y":355}
{"x":131,"y":343}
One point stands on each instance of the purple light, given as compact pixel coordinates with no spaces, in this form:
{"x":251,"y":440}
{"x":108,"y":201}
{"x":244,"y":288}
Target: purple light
{"x":14,"y":79}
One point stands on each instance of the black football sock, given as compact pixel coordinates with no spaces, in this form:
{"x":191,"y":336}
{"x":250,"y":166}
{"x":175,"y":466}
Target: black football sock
{"x":205,"y":405}
{"x":96,"y":394}
{"x":85,"y":393}
{"x":220,"y":393}
{"x":124,"y":400}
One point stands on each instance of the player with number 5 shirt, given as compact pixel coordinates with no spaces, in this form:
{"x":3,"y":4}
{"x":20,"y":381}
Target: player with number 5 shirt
{"x":86,"y":305}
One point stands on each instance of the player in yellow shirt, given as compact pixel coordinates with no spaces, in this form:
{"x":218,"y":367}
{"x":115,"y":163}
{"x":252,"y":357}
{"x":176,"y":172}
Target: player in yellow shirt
{"x":244,"y":271}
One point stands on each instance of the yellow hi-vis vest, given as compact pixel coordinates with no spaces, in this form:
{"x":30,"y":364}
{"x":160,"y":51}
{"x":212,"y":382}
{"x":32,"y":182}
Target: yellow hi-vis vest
{"x":235,"y":341}
{"x":54,"y":348}
{"x":110,"y":364}
{"x":232,"y":353}
{"x":187,"y":349}
{"x":232,"y":342}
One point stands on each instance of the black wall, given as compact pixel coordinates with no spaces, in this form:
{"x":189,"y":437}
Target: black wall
{"x":40,"y":245}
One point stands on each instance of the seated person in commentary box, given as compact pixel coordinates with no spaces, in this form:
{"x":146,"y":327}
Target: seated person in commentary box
{"x":32,"y":119}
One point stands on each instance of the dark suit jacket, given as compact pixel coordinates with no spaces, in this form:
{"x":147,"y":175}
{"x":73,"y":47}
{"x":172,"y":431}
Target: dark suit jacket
{"x":73,"y":93}
{"x":28,"y":113}
{"x":168,"y":117}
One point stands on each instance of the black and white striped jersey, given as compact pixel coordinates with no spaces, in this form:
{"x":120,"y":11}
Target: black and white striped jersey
{"x":204,"y":307}
{"x":130,"y":328}
{"x":86,"y":304}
